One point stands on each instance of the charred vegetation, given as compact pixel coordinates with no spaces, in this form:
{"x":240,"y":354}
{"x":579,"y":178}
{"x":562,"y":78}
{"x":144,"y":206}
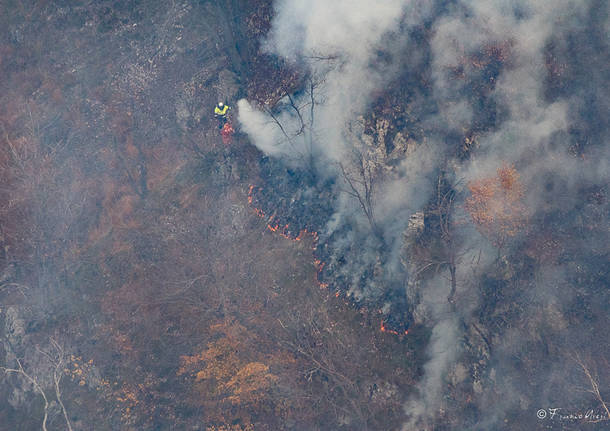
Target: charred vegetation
{"x":153,"y":277}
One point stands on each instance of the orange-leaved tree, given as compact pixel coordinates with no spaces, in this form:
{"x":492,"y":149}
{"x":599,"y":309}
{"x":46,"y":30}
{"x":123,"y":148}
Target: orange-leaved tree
{"x":496,"y":205}
{"x":231,"y":379}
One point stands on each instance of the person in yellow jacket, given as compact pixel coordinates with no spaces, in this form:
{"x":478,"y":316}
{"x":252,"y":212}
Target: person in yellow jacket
{"x":220,"y":112}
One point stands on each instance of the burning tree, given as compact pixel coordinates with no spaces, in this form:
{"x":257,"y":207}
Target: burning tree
{"x":496,"y":205}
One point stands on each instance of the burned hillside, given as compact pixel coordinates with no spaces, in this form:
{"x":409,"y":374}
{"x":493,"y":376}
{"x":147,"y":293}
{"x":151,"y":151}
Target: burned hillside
{"x":407,"y":228}
{"x":449,"y":146}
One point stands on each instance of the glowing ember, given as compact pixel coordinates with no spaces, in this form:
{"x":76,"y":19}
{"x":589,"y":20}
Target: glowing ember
{"x":389,"y":331}
{"x":250,"y":194}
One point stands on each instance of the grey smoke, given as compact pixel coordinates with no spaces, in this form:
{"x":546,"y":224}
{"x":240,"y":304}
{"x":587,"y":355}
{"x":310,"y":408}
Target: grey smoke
{"x":443,"y":349}
{"x":531,"y":132}
{"x":337,"y":42}
{"x":346,"y":33}
{"x":529,"y":137}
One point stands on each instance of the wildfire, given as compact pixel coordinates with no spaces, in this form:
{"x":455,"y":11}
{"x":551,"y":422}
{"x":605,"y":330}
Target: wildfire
{"x":391,"y":331}
{"x":285,"y":232}
{"x":319,"y":267}
{"x":250,"y":194}
{"x":275,"y":227}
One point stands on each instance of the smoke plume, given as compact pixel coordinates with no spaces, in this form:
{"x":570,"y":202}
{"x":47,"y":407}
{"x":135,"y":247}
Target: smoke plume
{"x":351,"y":49}
{"x":337,"y":41}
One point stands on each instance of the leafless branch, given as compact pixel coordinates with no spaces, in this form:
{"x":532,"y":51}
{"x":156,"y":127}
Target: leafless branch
{"x":16,"y":158}
{"x":277,"y":122}
{"x":57,"y":375}
{"x":20,"y":287}
{"x":322,"y":57}
{"x":34,"y":383}
{"x":298,"y":112}
{"x":593,"y":381}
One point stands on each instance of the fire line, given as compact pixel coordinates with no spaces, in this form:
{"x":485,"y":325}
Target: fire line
{"x":284,"y":231}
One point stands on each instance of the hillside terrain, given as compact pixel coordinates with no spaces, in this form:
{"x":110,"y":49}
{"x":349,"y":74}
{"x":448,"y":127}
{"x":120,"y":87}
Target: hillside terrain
{"x":154,"y":277}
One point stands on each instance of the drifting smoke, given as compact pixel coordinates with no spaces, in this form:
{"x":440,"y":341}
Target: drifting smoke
{"x":342,"y":42}
{"x":443,"y":350}
{"x":533,"y":129}
{"x":337,"y":41}
{"x":465,"y":29}
{"x":532,"y":132}
{"x":346,"y":47}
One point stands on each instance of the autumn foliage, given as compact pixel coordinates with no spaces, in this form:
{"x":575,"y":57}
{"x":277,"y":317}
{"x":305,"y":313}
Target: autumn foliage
{"x":496,"y":205}
{"x":229,"y":382}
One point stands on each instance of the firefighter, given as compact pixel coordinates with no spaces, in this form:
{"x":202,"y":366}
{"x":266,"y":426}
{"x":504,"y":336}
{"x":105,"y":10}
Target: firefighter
{"x":220,"y":112}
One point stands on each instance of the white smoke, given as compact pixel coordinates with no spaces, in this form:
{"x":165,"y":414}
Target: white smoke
{"x":524,"y":138}
{"x":341,"y":40}
{"x":338,"y":41}
{"x":523,"y":28}
{"x":346,"y":46}
{"x":442,"y":350}
{"x":261,"y":129}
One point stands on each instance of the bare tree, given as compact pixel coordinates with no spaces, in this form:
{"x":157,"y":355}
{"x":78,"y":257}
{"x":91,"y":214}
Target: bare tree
{"x":56,"y":356}
{"x":593,"y":381}
{"x":444,"y":210}
{"x":363,"y":170}
{"x":307,"y":336}
{"x":360,"y":178}
{"x":300,"y":133}
{"x":451,"y":232}
{"x":136,"y":175}
{"x":21,"y":371}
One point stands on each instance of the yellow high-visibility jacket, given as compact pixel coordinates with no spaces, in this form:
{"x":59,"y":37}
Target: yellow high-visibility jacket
{"x":222,"y":111}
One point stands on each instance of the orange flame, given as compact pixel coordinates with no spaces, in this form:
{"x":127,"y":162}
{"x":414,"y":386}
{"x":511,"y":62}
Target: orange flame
{"x":250,"y":194}
{"x":275,"y":227}
{"x":389,"y":331}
